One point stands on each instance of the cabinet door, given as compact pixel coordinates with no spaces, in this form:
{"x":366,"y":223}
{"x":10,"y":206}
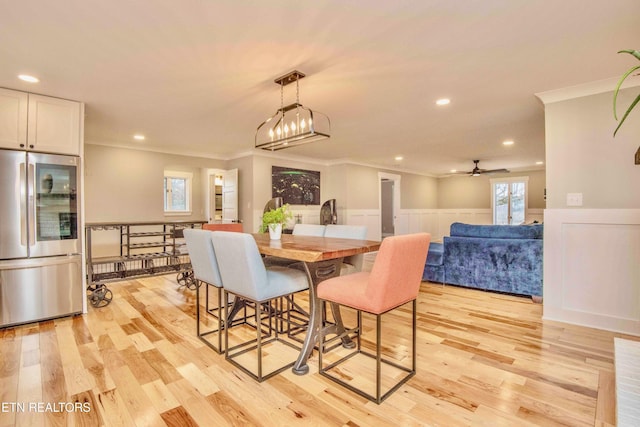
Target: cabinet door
{"x":54,"y":125}
{"x":13,"y":119}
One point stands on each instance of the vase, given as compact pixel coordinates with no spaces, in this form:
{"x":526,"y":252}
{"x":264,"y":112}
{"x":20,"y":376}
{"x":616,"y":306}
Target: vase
{"x":275,"y":231}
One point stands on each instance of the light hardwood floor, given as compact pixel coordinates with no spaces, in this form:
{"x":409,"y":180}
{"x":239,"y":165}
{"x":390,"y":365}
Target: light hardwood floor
{"x":483,"y":359}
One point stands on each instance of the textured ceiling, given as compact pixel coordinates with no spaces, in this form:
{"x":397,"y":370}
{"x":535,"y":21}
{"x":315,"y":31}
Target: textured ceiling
{"x":196,"y":77}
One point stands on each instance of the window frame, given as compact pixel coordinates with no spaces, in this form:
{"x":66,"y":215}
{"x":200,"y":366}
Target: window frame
{"x":166,"y":202}
{"x":509,"y":181}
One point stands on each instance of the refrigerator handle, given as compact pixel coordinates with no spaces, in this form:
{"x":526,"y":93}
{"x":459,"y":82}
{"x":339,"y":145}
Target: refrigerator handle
{"x":23,"y":205}
{"x":31,"y":213}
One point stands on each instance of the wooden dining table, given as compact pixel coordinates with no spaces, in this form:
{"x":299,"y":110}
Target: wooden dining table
{"x":321,"y":257}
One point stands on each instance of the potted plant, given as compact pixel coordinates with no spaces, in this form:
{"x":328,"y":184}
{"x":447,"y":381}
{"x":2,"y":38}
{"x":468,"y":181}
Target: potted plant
{"x":274,"y":219}
{"x":636,"y":54}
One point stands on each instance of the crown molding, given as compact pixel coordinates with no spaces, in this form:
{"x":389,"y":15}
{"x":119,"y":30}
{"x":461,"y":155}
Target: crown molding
{"x":161,"y":150}
{"x":586,"y":89}
{"x":263,"y":153}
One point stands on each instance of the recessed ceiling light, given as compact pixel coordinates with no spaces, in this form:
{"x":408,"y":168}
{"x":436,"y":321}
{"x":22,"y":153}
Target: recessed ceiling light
{"x":138,"y":137}
{"x":443,"y":101}
{"x":453,"y":170}
{"x":28,"y":78}
{"x":539,"y":163}
{"x":507,"y":143}
{"x":398,"y":158}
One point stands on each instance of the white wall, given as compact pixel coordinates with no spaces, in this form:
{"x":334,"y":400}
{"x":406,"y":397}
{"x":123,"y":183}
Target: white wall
{"x":465,"y":192}
{"x":592,"y":252}
{"x":125,"y":185}
{"x":584,"y":157}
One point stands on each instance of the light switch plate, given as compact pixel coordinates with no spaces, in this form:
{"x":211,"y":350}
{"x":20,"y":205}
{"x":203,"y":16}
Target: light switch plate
{"x":574,"y":199}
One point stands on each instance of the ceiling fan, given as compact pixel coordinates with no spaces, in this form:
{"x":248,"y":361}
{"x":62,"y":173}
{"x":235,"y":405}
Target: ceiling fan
{"x":477,"y":171}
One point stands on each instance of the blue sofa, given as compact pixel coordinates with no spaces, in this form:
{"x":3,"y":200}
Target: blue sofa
{"x":504,"y":258}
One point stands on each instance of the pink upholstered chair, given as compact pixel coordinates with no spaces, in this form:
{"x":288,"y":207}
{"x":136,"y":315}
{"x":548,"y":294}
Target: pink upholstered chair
{"x":231,"y":226}
{"x":393,"y":281}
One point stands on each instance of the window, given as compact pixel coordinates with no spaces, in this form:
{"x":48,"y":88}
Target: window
{"x":509,"y":200}
{"x":177,"y":193}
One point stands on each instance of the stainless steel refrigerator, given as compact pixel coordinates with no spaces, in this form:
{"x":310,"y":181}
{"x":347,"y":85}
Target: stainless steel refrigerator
{"x":40,"y":246}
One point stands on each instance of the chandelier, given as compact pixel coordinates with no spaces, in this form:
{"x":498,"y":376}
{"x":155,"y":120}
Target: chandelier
{"x":293,"y":124}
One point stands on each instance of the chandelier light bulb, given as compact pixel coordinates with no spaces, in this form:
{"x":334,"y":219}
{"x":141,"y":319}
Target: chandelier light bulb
{"x":303,"y":125}
{"x":286,"y":129}
{"x":278,"y":131}
{"x":293,"y":127}
{"x":271,"y":133}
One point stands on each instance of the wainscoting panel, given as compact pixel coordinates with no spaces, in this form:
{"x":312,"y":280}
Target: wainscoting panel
{"x":535,"y":215}
{"x":437,"y":222}
{"x":592,"y":268}
{"x":419,"y":220}
{"x":369,"y":217}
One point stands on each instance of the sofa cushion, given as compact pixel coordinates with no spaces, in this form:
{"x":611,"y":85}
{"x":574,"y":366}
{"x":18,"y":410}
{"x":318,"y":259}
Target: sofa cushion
{"x":533,"y":231}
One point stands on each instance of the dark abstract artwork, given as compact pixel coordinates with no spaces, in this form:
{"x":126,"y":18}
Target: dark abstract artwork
{"x":295,"y":186}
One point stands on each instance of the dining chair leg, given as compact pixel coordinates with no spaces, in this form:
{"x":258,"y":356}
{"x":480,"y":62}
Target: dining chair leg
{"x":376,"y":394}
{"x":378,"y":356}
{"x":259,"y":336}
{"x":214,"y":312}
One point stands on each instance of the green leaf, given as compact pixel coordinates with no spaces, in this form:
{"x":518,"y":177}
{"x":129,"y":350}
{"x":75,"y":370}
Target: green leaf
{"x":633,"y":104}
{"x":615,"y":93}
{"x":275,"y":216}
{"x":635,"y":53}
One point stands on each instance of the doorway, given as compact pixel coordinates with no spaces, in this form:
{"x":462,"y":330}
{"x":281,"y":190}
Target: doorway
{"x":389,"y":203}
{"x":386,"y":208}
{"x":222,"y":196}
{"x":215,"y":198}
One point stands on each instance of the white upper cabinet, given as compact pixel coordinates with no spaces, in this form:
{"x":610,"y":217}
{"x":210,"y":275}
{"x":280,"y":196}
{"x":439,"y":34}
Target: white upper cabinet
{"x":13,"y":118}
{"x":39,"y":123}
{"x":54,"y":125}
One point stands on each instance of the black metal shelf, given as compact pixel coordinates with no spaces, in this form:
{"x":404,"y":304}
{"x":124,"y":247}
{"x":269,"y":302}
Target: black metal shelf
{"x":127,"y":264}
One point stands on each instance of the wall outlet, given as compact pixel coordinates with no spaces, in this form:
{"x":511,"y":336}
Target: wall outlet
{"x":574,"y":199}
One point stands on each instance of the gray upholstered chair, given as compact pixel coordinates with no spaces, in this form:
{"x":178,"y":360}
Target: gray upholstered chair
{"x":297,"y":317}
{"x":244,"y":275}
{"x":353,"y":263}
{"x":309,"y":230}
{"x":205,"y":270}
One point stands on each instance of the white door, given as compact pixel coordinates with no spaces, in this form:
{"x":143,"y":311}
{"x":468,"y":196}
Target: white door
{"x":230,"y":195}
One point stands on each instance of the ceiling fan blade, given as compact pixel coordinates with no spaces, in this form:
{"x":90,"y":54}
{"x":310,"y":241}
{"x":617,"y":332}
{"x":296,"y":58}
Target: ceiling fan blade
{"x":477,"y":171}
{"x":490,"y":171}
